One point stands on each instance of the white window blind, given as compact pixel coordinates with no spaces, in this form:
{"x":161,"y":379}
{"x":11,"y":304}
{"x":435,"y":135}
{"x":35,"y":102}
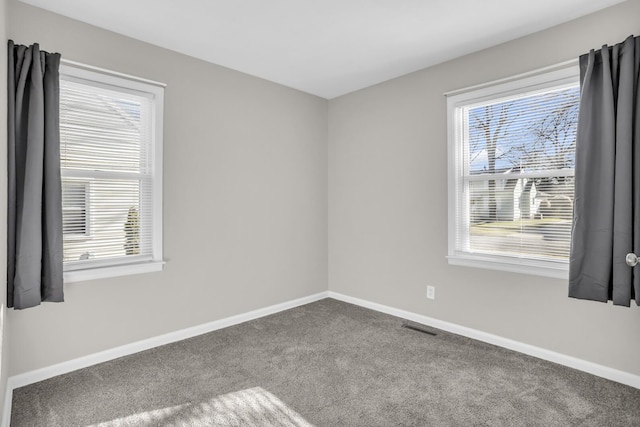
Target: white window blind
{"x":512,"y":157}
{"x":109,"y":161}
{"x":75,"y":215}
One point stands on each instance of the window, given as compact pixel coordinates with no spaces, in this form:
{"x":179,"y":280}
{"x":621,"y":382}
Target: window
{"x":111,"y":165}
{"x":511,"y":173}
{"x":75,"y":210}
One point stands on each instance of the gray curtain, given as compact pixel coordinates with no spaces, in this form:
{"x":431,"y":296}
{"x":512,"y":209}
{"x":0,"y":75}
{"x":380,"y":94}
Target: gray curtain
{"x":34,"y":245}
{"x":607,"y":194}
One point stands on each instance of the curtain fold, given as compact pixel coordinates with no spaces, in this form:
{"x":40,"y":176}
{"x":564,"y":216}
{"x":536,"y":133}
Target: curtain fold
{"x":607,"y":194}
{"x":34,"y":217}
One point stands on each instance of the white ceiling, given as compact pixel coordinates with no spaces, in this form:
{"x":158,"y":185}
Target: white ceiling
{"x":324,"y":47}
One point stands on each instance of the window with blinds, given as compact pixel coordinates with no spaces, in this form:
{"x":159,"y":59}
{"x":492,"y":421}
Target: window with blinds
{"x":110,"y":154}
{"x":512,"y":157}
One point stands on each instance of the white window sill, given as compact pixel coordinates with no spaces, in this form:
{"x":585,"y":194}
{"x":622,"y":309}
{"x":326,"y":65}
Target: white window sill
{"x":558,"y":270}
{"x":112,"y":271}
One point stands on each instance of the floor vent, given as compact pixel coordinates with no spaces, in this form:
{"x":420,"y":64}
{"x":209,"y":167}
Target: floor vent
{"x":418,"y":328}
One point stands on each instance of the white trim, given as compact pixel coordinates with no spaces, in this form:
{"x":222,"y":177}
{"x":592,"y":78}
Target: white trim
{"x":6,"y":407}
{"x":520,"y":175}
{"x":71,"y":276}
{"x":530,"y":85}
{"x":562,"y":65}
{"x":157,"y":127}
{"x":110,"y":79}
{"x":41,"y":374}
{"x":110,"y":72}
{"x":558,"y":270}
{"x":531,"y":350}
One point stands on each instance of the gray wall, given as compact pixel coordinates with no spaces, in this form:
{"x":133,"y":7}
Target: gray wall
{"x":245,"y":201}
{"x":388,"y":205}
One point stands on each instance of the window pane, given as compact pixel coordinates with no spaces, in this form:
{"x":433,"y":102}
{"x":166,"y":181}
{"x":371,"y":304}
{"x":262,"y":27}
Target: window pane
{"x":107,"y":143}
{"x":111,"y":166}
{"x":528,"y":133}
{"x":512,"y":157}
{"x":74,"y":211}
{"x":115,"y":226}
{"x":521,"y":217}
{"x":102,"y":129}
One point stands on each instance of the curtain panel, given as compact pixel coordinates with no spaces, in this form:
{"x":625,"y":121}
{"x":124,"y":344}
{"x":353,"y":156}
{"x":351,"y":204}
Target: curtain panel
{"x":34,"y":234}
{"x":607,"y":194}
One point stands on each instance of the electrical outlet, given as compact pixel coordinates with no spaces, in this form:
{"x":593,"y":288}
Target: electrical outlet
{"x":431,"y":292}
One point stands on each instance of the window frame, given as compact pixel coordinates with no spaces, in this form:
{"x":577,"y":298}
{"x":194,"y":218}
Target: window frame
{"x":565,"y":74}
{"x":98,"y":77}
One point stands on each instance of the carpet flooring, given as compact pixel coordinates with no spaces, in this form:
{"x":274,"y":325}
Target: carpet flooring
{"x":327,"y":363}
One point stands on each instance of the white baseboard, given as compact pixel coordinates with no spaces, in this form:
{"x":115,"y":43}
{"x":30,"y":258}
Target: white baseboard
{"x":541,"y":353}
{"x":125,"y":350}
{"x":6,"y":407}
{"x":31,"y":377}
